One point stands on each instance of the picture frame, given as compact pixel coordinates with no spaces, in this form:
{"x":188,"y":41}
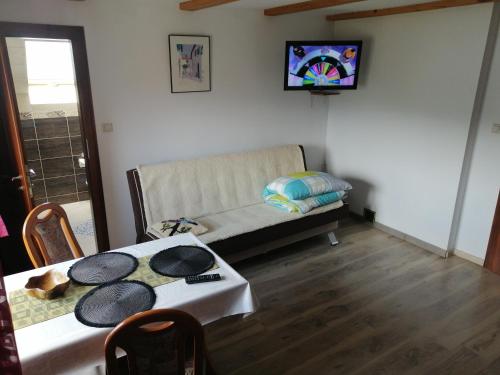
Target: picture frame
{"x":190,"y":69}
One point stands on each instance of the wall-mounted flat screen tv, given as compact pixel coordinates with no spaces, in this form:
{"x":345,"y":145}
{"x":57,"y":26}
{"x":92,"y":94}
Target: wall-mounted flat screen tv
{"x":322,"y":65}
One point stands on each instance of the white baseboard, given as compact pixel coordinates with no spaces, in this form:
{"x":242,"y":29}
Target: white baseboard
{"x":425,"y":245}
{"x":413,"y":240}
{"x":469,"y":257}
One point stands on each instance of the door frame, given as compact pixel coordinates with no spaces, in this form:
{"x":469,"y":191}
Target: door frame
{"x":492,"y":260}
{"x":76,"y":35}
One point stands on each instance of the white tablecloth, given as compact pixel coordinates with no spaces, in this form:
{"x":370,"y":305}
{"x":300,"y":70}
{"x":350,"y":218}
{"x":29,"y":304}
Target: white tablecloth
{"x":65,"y":346}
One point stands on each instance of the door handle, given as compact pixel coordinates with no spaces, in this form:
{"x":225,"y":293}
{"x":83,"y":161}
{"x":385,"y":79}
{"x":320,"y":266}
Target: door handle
{"x":18,"y":178}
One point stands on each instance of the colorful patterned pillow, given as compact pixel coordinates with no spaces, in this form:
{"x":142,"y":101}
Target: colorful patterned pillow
{"x":304,"y":185}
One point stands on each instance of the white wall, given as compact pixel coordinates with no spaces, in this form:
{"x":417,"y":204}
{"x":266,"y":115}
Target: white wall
{"x":484,"y":176}
{"x":401,"y":136}
{"x":128,"y":58}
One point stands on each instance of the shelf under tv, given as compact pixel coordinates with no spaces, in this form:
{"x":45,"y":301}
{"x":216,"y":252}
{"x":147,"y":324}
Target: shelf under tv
{"x":324,"y":92}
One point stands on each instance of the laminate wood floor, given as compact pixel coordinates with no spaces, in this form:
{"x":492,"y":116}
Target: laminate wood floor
{"x":372,"y":305}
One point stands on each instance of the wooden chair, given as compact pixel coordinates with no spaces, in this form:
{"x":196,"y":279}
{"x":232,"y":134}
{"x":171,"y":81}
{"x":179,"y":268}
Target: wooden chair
{"x":48,"y":236}
{"x":156,"y":342}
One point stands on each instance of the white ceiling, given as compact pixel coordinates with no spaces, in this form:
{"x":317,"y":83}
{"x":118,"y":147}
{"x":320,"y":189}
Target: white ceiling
{"x":353,"y":7}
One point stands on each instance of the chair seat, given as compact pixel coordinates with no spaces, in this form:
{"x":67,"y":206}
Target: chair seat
{"x":251,"y":218}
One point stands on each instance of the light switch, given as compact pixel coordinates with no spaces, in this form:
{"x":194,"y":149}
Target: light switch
{"x":495,"y":128}
{"x":107,"y":127}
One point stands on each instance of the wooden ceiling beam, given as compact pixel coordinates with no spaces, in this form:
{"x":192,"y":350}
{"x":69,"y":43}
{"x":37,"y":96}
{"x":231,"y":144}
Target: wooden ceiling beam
{"x":202,"y":4}
{"x":432,"y":5}
{"x":305,"y":6}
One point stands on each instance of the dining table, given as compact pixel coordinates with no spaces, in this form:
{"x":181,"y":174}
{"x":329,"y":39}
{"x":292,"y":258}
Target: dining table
{"x":63,"y":345}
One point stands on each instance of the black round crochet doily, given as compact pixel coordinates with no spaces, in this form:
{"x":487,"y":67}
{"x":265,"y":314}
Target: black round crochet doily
{"x":111,"y":303}
{"x":102,"y":268}
{"x":182,"y":261}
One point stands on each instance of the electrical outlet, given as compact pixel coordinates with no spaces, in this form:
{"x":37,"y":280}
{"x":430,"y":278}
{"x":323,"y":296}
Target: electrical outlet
{"x":495,"y":128}
{"x":369,"y":215}
{"x":107,"y":127}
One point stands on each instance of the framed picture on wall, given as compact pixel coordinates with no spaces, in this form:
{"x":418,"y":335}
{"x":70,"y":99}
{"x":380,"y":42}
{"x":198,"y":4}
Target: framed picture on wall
{"x":189,"y":63}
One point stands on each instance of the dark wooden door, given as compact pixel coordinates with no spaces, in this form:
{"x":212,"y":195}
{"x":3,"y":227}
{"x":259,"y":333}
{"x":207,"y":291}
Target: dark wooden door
{"x":492,"y":261}
{"x":16,"y":198}
{"x":12,"y":207}
{"x":12,"y":124}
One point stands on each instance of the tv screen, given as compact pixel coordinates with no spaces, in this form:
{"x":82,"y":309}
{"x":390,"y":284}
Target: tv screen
{"x":322,"y":65}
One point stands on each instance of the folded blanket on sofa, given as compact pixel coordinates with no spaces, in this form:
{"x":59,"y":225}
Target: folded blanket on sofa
{"x":167,"y":228}
{"x":306,"y":184}
{"x":303,"y":205}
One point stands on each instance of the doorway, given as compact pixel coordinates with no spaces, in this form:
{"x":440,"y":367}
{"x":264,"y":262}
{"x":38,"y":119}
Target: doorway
{"x":49,"y":132}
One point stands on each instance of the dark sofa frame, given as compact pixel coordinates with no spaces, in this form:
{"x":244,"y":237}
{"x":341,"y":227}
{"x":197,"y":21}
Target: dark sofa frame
{"x":246,"y":244}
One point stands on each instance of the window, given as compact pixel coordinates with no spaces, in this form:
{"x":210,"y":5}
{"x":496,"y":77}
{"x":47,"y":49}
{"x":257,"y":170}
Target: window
{"x":50,"y":72}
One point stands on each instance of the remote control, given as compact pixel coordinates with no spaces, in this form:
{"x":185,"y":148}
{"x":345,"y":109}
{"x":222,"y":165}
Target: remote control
{"x":202,"y":278}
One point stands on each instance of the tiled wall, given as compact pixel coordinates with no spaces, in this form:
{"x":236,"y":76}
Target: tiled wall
{"x":52,"y":147}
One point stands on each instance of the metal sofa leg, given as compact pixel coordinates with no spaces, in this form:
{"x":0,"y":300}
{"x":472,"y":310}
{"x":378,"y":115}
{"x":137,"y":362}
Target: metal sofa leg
{"x":333,"y":239}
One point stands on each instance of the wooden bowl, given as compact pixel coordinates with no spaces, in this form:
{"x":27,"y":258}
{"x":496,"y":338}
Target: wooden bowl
{"x":50,"y":285}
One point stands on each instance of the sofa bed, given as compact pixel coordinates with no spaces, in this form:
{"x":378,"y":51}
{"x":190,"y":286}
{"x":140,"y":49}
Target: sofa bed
{"x":224,"y":193}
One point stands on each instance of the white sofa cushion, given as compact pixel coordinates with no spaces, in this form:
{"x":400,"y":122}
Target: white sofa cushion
{"x":250,"y":218}
{"x":212,"y":185}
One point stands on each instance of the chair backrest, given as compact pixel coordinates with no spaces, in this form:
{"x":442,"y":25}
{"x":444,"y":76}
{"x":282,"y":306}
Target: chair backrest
{"x":158,"y":342}
{"x":48,"y":236}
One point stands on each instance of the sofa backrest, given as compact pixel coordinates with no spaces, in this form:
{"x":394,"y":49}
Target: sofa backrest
{"x":199,"y":187}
